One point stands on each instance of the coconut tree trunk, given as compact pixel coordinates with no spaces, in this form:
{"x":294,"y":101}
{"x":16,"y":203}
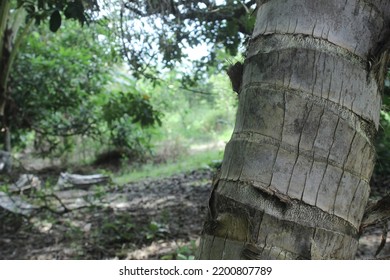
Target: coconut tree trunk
{"x":294,"y":181}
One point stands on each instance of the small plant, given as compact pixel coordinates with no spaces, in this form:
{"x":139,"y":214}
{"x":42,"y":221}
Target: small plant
{"x":184,"y":252}
{"x":156,"y":230}
{"x":115,"y":229}
{"x":4,"y":188}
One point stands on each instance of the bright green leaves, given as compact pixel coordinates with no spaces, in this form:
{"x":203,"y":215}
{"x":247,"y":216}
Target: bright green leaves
{"x":55,"y":21}
{"x":135,"y":106}
{"x":61,"y":91}
{"x":53,"y":82}
{"x":125,"y":113}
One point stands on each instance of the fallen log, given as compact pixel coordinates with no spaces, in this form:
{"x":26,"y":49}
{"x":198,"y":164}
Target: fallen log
{"x":5,"y":162}
{"x":24,"y":183}
{"x":67,"y":180}
{"x":16,"y":204}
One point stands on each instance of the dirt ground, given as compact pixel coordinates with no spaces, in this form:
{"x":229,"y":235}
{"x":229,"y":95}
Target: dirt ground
{"x":149,"y":219}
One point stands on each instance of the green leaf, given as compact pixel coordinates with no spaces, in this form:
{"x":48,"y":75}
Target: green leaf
{"x":153,"y":226}
{"x":167,"y":257}
{"x":181,"y":257}
{"x":55,"y":21}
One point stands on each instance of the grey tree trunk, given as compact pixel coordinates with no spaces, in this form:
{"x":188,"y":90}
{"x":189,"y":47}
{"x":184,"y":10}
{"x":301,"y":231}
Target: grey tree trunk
{"x":294,"y":181}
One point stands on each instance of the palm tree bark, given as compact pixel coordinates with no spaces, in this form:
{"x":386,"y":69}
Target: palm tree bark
{"x":294,"y":181}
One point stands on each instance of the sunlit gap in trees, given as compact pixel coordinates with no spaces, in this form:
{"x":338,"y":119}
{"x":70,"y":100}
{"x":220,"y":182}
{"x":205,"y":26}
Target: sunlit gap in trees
{"x":138,"y":34}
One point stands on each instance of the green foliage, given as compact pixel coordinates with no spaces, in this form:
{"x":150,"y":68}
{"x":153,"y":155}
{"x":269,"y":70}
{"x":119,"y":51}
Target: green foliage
{"x":120,"y":229}
{"x":60,"y":90}
{"x":201,"y":114}
{"x":156,"y":35}
{"x":52,"y":81}
{"x":128,"y":113}
{"x":40,"y":10}
{"x":184,"y":252}
{"x":184,"y":163}
{"x":157,"y":41}
{"x":60,"y":83}
{"x":123,"y":111}
{"x":156,"y":230}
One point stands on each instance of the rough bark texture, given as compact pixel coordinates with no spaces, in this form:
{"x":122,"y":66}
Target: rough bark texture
{"x":295,"y":178}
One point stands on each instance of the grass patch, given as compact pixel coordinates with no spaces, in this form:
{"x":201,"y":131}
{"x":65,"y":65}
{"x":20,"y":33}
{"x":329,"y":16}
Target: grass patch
{"x":186,"y":163}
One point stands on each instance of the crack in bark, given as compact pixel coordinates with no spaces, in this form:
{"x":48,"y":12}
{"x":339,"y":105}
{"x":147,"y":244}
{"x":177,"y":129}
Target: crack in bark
{"x":331,"y":77}
{"x":327,"y":159}
{"x":353,"y":102}
{"x":314,"y":27}
{"x":341,"y":88}
{"x":316,"y":73}
{"x":353,"y":198}
{"x":343,"y":171}
{"x":306,"y":117}
{"x":315,"y":138}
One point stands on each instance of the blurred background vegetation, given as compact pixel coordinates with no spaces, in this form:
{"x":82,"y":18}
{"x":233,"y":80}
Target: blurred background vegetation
{"x":127,"y":83}
{"x":87,"y":95}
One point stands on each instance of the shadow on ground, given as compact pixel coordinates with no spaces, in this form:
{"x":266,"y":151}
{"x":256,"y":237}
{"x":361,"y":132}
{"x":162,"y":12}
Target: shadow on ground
{"x":149,"y":219}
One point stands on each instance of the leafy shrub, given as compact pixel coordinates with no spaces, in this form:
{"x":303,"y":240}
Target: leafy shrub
{"x":52,"y":82}
{"x":60,"y":88}
{"x":126,"y":116}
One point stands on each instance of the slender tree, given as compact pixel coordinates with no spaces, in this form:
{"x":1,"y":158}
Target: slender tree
{"x":13,"y":27}
{"x":294,"y":181}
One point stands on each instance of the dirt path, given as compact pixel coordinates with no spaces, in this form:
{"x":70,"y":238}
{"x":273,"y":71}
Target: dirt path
{"x":150,"y":219}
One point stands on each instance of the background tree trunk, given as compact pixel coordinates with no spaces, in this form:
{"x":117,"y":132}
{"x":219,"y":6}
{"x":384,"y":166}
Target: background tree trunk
{"x":13,"y":28}
{"x":4,"y":10}
{"x":295,"y":177}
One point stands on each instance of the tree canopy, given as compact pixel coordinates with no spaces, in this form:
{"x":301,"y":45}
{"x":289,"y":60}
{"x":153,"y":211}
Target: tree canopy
{"x":155,"y":35}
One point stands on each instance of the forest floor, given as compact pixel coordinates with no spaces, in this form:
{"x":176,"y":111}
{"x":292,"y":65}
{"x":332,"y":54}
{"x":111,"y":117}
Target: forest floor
{"x":148,"y":219}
